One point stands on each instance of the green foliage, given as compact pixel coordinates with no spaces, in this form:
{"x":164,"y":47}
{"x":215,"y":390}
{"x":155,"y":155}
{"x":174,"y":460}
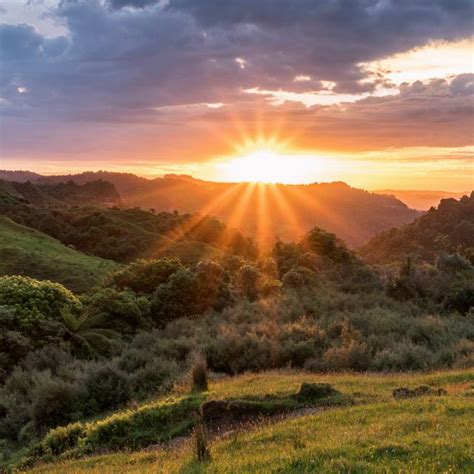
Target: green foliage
{"x":448,"y":229}
{"x":327,"y":245}
{"x":124,"y":235}
{"x":190,"y":292}
{"x":33,"y":300}
{"x":122,"y":311}
{"x":144,"y":276}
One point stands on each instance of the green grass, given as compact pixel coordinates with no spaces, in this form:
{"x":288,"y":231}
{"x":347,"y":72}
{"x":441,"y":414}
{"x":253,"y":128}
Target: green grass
{"x":378,"y":434}
{"x":25,"y":251}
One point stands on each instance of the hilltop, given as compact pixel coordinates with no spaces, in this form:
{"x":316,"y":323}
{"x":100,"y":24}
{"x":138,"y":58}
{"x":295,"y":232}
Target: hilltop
{"x":448,"y":228}
{"x":261,"y":211}
{"x":63,"y":194}
{"x":25,"y":251}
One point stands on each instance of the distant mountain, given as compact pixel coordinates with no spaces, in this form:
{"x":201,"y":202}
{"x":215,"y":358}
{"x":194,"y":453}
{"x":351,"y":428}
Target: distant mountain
{"x":94,"y":193}
{"x":449,"y":228}
{"x":262,"y":211}
{"x":421,"y":200}
{"x":25,"y":251}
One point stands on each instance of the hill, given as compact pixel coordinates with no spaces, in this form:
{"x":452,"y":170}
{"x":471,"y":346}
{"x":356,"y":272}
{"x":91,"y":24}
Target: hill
{"x":422,"y":200}
{"x":25,"y":251}
{"x":116,"y":233}
{"x":447,"y":229}
{"x":367,"y":431}
{"x":69,"y":193}
{"x":262,"y":211}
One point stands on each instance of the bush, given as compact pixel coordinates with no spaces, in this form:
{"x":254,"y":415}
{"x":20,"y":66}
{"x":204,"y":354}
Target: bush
{"x":106,"y":387}
{"x":144,"y":276}
{"x":32,"y":301}
{"x":122,"y":311}
{"x":54,"y":403}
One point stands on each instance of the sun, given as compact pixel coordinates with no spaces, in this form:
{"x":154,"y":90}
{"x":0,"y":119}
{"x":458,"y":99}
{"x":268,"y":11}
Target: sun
{"x":268,"y":166}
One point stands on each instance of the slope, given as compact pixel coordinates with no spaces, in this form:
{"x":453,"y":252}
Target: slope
{"x":374,"y":433}
{"x":25,"y":251}
{"x":447,"y":229}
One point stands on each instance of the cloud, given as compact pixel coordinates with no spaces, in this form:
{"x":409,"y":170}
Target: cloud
{"x":131,"y":65}
{"x":132,"y":3}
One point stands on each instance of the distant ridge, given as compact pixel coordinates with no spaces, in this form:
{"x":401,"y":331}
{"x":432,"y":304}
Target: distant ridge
{"x":265,"y":212}
{"x":421,"y":199}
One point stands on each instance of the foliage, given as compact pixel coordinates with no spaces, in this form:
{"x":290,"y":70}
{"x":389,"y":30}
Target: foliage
{"x":33,"y":301}
{"x":448,"y":229}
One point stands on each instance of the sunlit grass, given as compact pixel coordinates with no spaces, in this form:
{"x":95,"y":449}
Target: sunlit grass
{"x":378,"y":435}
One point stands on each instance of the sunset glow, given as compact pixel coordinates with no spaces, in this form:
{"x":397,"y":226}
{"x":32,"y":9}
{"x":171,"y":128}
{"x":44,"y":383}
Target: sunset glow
{"x":267,"y":166}
{"x":292,"y":95}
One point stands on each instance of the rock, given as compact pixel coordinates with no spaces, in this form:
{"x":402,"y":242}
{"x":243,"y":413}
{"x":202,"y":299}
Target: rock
{"x":420,"y":391}
{"x":314,"y":391}
{"x":219,"y":412}
{"x":214,"y":410}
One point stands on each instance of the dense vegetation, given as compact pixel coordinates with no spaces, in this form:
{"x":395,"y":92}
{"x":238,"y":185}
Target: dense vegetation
{"x":188,"y":289}
{"x":126,"y":234}
{"x":448,"y":228}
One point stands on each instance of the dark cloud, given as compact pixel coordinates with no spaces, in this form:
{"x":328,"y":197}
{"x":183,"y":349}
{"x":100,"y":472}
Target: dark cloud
{"x":123,"y":59}
{"x":132,"y":3}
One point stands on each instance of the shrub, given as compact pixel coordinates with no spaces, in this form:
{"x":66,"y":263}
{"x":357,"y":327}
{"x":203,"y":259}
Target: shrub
{"x":106,"y":387}
{"x":54,"y":402}
{"x":32,"y":300}
{"x":144,"y":276}
{"x":249,"y":281}
{"x":122,"y":311}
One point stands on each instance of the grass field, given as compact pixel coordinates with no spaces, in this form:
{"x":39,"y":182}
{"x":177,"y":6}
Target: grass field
{"x":25,"y":251}
{"x":373,"y":434}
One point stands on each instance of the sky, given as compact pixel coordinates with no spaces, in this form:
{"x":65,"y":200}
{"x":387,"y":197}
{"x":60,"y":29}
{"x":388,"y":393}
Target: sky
{"x":377,"y":93}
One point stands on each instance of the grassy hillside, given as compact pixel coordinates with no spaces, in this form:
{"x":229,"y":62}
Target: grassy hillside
{"x":373,"y":433}
{"x":25,"y":251}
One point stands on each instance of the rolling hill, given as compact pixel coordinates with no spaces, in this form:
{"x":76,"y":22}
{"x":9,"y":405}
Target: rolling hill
{"x":25,"y":251}
{"x":261,"y":211}
{"x":449,"y":228}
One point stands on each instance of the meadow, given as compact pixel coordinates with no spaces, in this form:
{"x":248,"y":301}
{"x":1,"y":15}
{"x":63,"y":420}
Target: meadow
{"x":374,"y":433}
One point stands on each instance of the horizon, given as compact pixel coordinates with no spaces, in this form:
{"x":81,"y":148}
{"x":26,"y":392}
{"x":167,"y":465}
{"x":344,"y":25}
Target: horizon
{"x":213,"y":91}
{"x":67,"y":173}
